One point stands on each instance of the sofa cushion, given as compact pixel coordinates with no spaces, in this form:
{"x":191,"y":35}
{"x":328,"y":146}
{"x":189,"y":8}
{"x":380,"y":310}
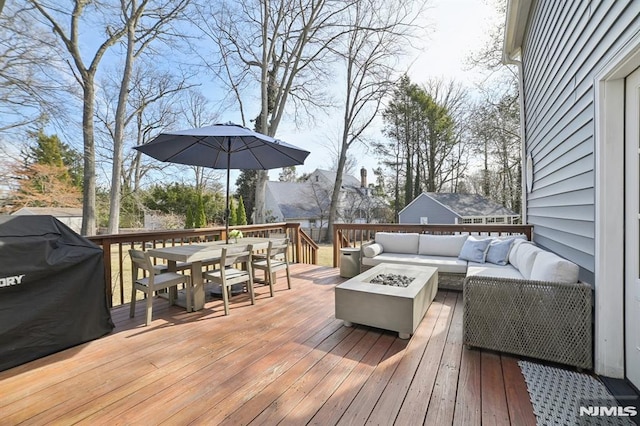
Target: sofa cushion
{"x":493,"y":271}
{"x":441,"y":245}
{"x":525,"y":257}
{"x":551,"y":267}
{"x":474,"y":249}
{"x":395,"y":242}
{"x":372,"y":250}
{"x":498,"y":251}
{"x":445,"y":264}
{"x":513,"y":253}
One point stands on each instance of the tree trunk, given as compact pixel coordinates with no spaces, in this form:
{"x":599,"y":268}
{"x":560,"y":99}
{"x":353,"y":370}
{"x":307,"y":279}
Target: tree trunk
{"x":120,"y":118}
{"x":89,"y":178}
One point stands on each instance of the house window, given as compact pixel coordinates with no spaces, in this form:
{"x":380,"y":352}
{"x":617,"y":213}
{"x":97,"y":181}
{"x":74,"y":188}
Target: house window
{"x":424,"y":220}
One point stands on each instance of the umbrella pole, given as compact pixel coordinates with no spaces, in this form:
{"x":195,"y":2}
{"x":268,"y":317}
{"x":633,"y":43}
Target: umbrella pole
{"x":226,"y":211}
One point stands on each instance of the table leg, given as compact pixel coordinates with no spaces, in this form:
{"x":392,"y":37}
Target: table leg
{"x":173,"y":291}
{"x":198,"y":286}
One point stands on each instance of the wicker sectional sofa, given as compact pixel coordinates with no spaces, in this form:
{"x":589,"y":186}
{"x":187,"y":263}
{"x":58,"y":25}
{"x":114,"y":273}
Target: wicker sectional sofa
{"x":533,"y":305}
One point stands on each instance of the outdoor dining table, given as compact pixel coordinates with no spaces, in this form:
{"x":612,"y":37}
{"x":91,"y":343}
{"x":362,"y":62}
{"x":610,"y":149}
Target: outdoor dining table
{"x":196,"y":254}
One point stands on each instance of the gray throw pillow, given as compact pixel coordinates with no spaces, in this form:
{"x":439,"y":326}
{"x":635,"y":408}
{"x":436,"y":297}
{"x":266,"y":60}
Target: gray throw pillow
{"x":498,"y":252}
{"x":474,"y":250}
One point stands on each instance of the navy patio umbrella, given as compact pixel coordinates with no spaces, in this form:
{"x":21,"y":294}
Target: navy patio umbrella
{"x":224,"y":146}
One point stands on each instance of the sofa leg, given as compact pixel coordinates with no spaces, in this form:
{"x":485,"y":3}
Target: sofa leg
{"x":347,"y":323}
{"x":404,"y":336}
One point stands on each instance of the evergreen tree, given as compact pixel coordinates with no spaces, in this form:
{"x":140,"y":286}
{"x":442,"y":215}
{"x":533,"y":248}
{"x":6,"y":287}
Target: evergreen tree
{"x":200,"y":220}
{"x":241,"y":215}
{"x":246,"y":188}
{"x":188,"y":223}
{"x":233,"y":213}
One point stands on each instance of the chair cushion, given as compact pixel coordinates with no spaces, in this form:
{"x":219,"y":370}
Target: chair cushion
{"x":446,"y":264}
{"x":525,"y":257}
{"x":498,"y":251}
{"x":372,"y":250}
{"x":493,"y":271}
{"x":549,"y":266}
{"x":441,"y":245}
{"x":395,"y":242}
{"x":474,"y":249}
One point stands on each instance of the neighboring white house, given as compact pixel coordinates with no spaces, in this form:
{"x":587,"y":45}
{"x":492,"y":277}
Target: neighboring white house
{"x":72,"y":217}
{"x":450,"y":208}
{"x":308,"y":202}
{"x":579,"y":66}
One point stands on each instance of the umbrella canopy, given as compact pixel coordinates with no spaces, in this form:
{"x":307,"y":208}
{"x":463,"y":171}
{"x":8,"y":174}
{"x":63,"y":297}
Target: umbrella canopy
{"x":223,"y":146}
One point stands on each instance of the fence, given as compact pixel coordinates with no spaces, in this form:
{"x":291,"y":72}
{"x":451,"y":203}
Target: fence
{"x":354,"y":234}
{"x":115,"y":248}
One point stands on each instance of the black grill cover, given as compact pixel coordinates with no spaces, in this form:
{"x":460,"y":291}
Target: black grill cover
{"x":52,"y":289}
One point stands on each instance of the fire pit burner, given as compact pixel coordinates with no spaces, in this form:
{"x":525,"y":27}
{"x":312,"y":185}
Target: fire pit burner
{"x":394,"y":280}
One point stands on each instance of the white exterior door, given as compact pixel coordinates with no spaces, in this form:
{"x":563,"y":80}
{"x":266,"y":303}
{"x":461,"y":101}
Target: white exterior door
{"x":632,"y":228}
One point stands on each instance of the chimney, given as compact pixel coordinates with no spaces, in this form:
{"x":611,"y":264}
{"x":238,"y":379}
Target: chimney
{"x":363,"y":178}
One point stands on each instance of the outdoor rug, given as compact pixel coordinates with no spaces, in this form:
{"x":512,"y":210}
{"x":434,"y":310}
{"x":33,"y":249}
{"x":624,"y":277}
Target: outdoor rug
{"x":557,"y":396}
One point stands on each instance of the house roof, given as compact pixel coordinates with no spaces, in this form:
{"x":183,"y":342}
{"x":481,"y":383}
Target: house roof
{"x":515,"y":27}
{"x":295,"y":199}
{"x":467,"y":204}
{"x":348,"y":181}
{"x":53,"y":211}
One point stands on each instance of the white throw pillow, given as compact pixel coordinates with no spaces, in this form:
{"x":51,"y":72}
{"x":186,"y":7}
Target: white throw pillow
{"x":372,"y":250}
{"x":474,"y":250}
{"x":551,"y":267}
{"x":398,"y":242}
{"x":525,"y":257}
{"x":441,"y":245}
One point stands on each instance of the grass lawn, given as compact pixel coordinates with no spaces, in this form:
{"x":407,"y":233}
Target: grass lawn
{"x":325,"y":255}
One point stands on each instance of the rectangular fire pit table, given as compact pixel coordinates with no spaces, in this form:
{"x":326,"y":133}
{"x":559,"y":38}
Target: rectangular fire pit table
{"x":392,"y":308}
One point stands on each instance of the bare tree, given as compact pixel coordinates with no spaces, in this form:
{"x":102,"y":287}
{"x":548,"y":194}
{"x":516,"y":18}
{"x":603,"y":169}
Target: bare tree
{"x":496,"y":121}
{"x":66,"y":23}
{"x":279,"y":46}
{"x":151,"y":105}
{"x":31,"y":73}
{"x":370,"y":51}
{"x":145,"y":23}
{"x":196,"y":111}
{"x":445,"y":157}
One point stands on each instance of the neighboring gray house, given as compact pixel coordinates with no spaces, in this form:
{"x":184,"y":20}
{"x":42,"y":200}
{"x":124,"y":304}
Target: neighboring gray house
{"x":308,"y":202}
{"x":70,"y":216}
{"x":450,"y":208}
{"x":579,"y":66}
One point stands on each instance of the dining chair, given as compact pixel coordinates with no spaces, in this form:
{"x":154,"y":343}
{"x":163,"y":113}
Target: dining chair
{"x":155,"y":279}
{"x":228,"y":275}
{"x":275,"y":259}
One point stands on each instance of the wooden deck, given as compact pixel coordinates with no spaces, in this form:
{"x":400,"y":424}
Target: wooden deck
{"x":285,"y":360}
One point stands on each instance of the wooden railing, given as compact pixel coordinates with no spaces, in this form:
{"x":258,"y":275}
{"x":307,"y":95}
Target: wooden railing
{"x":354,"y":234}
{"x":115,"y":249}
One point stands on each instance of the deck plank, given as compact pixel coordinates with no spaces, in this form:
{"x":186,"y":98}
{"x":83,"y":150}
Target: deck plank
{"x":443,"y":399}
{"x":336,"y":405}
{"x":414,"y":407}
{"x":284,"y":360}
{"x":518,"y":402}
{"x":468,"y":406}
{"x":494,"y":400}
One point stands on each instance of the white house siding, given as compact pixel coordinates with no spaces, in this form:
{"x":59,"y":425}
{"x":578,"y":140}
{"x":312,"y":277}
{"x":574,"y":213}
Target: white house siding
{"x":571,"y":40}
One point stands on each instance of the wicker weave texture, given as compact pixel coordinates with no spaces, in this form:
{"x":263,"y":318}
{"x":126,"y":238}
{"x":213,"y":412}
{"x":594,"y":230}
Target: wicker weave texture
{"x":450,"y":281}
{"x":544,"y":320}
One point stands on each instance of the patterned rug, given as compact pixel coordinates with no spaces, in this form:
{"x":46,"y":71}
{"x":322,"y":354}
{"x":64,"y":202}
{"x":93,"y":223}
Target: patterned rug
{"x":564,"y":397}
